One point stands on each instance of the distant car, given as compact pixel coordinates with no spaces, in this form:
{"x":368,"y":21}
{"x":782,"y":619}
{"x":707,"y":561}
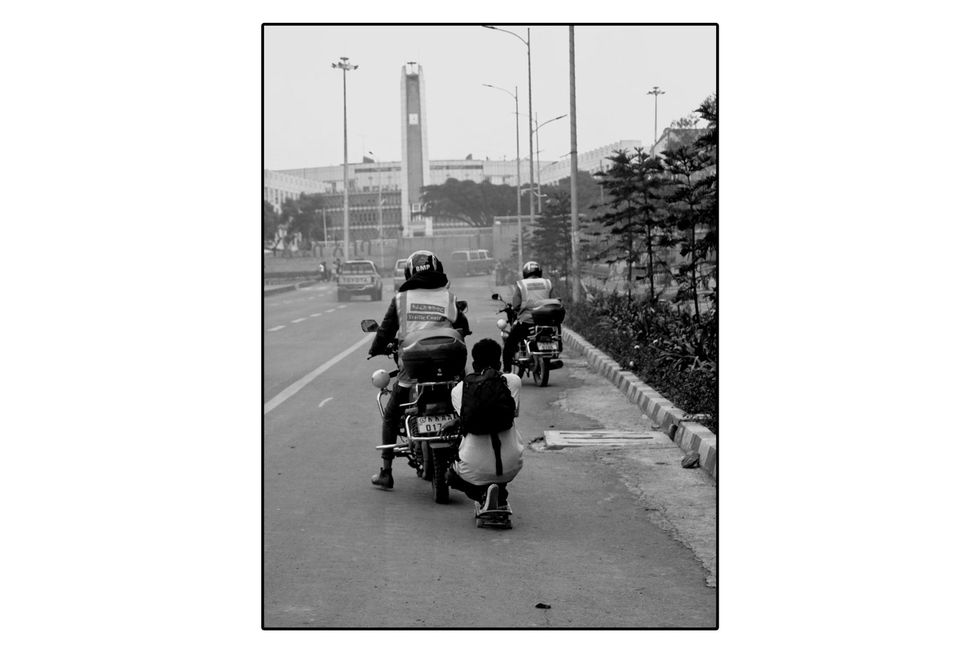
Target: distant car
{"x":483,"y":263}
{"x":358,"y":278}
{"x":464,"y":262}
{"x":400,"y":272}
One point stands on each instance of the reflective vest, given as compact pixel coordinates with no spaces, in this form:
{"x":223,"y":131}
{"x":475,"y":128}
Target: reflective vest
{"x":534,"y":293}
{"x":424,"y":309}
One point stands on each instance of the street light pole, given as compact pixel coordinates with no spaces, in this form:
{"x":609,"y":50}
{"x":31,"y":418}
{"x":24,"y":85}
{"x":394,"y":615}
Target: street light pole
{"x":517,"y":132}
{"x":381,"y":235}
{"x":537,"y":138}
{"x":530,"y":107}
{"x":574,"y":153}
{"x":345,"y":66}
{"x":656,"y":93}
{"x":323,"y":214}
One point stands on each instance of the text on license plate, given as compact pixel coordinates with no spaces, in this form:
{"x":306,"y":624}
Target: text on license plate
{"x":432,"y":423}
{"x":547,"y":346}
{"x":354,"y":280}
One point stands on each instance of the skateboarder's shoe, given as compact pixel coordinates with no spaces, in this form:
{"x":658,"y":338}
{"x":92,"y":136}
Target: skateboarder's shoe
{"x":505,"y":507}
{"x":383,"y":479}
{"x":490,"y":503}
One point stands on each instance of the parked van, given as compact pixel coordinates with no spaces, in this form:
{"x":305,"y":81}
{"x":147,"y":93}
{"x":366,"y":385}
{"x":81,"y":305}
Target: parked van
{"x":466,"y":262}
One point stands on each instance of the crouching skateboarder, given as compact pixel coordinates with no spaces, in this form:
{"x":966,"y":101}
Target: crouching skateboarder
{"x":491,"y":453}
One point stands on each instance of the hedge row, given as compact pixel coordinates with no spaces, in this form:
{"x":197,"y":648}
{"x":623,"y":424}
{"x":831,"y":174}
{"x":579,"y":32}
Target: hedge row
{"x":666,"y":347}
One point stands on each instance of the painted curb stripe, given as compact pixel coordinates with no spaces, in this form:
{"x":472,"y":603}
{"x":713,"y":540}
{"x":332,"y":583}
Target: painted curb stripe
{"x":689,"y":436}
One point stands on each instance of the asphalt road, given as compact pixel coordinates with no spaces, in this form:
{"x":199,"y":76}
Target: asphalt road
{"x":340,"y":553}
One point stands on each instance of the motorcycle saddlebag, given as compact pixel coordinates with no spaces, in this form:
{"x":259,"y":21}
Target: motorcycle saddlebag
{"x":433,"y":354}
{"x":548,"y":314}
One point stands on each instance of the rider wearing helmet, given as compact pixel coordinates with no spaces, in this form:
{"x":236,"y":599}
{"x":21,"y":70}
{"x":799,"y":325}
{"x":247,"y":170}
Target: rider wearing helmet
{"x":529,"y":292}
{"x":425,"y":287}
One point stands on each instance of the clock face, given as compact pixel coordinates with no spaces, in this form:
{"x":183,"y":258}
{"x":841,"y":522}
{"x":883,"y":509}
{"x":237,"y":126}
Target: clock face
{"x":413,"y":118}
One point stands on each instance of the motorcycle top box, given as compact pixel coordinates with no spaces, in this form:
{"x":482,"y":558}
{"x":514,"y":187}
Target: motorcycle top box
{"x":433,"y":354}
{"x":548,"y":314}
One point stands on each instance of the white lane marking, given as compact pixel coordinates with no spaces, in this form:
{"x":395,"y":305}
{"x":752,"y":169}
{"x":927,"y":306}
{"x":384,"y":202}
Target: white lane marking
{"x":342,"y":306}
{"x":298,"y":320}
{"x":324,"y":401}
{"x":316,"y":314}
{"x":331,"y":310}
{"x":276,"y":328}
{"x":299,"y":385}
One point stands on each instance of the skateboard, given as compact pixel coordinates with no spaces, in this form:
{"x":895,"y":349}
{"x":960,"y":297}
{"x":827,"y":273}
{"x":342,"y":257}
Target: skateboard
{"x":493,"y":518}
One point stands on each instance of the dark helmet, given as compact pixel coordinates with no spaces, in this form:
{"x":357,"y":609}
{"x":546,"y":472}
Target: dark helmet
{"x":531,"y":269}
{"x":422,"y":261}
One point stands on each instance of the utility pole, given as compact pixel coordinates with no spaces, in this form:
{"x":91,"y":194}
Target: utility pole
{"x":574,"y":180}
{"x":530,"y":106}
{"x":344,"y":65}
{"x":656,"y":93}
{"x":517,"y":132}
{"x":381,"y":234}
{"x":537,"y":147}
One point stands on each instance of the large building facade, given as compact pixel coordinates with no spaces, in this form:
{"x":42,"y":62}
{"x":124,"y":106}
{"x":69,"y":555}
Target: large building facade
{"x":592,"y":161}
{"x":365,"y":176}
{"x":277,"y":187}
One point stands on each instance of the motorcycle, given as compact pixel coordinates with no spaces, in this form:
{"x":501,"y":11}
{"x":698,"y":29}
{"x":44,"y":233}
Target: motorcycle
{"x":537,"y":354}
{"x":436,"y":358}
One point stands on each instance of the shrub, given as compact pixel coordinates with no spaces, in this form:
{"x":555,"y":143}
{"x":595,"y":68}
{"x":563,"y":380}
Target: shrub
{"x":673,"y":351}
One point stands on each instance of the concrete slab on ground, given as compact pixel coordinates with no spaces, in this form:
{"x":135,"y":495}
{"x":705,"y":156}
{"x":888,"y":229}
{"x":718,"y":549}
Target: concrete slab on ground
{"x":600,"y":438}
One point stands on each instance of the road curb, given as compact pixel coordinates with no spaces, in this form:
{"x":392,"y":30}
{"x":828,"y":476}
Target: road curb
{"x":292,"y":286}
{"x":690,"y":436}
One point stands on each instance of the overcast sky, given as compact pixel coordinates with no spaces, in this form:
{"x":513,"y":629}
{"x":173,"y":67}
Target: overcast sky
{"x":615,"y":67}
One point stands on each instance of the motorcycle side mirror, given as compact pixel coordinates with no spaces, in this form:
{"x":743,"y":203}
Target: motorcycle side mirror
{"x":369,"y":326}
{"x":462,"y":305}
{"x":495,"y":296}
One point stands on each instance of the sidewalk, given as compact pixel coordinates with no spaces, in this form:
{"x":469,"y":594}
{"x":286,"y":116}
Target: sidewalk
{"x":682,"y":502}
{"x":686,"y":434}
{"x":690,"y":436}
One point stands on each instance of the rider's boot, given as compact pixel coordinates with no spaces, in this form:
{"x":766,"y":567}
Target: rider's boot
{"x":384,"y":478}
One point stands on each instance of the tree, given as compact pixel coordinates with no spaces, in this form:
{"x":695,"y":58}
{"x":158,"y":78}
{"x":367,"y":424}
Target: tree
{"x":476,"y":204}
{"x":588,"y":189}
{"x":271,"y":221}
{"x":633,"y":213}
{"x":550,"y":241}
{"x":690,"y":121}
{"x":691,"y":195}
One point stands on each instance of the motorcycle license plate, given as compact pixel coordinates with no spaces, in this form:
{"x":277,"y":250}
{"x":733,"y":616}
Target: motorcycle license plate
{"x":431,"y":423}
{"x":547,"y":346}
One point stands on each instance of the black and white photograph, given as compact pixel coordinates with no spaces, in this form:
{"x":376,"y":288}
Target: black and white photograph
{"x":460,"y":382}
{"x":490,"y":326}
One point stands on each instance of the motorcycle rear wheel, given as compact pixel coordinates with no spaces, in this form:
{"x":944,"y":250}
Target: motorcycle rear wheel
{"x":426,"y":469}
{"x":440,"y":465}
{"x":541,"y":371}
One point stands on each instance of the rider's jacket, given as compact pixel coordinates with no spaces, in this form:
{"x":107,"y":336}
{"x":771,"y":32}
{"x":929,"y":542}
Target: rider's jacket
{"x":531,"y":293}
{"x":423,"y":308}
{"x":422,"y":302}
